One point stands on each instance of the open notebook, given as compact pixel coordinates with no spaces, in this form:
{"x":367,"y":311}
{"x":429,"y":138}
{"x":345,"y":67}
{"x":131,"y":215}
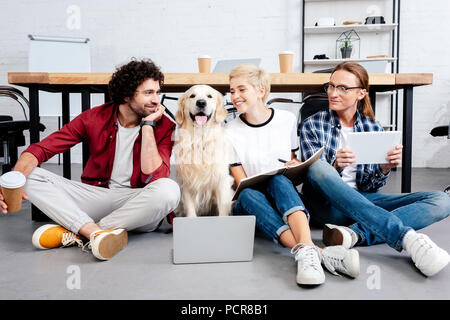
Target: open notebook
{"x":295,"y":173}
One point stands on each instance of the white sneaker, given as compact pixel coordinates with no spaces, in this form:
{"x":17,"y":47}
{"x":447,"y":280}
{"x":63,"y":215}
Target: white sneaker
{"x":309,"y":270}
{"x":106,"y":243}
{"x":339,"y":236}
{"x":427,"y":256}
{"x":338,"y":258}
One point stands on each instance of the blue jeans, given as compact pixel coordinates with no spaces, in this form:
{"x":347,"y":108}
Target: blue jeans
{"x":271,"y":204}
{"x":375,"y":217}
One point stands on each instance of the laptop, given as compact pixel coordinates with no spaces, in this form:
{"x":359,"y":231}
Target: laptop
{"x":213,"y":239}
{"x":225,"y":66}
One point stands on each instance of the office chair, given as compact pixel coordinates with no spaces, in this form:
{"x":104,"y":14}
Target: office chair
{"x":442,"y":131}
{"x":311,"y":104}
{"x":169,"y":113}
{"x":11,"y":131}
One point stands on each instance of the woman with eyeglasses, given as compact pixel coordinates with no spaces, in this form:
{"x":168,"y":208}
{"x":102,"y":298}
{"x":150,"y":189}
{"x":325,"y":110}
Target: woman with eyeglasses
{"x":343,"y":196}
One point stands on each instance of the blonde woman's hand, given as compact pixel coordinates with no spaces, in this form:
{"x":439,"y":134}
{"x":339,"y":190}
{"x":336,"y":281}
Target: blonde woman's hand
{"x":292,"y":162}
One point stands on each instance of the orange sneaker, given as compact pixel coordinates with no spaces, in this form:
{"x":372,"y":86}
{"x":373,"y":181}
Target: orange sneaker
{"x":51,"y":236}
{"x":106,"y":243}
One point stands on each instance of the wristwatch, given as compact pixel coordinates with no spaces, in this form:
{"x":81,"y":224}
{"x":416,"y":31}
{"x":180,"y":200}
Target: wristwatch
{"x":148,"y":123}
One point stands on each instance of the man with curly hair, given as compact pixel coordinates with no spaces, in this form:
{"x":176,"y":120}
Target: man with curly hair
{"x":125,"y":184}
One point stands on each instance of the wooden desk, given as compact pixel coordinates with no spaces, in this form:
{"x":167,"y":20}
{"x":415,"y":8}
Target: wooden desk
{"x":87,"y":83}
{"x":179,"y":82}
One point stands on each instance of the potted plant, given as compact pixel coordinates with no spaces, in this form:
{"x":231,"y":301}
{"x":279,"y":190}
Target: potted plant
{"x":346,"y":49}
{"x":345,"y":44}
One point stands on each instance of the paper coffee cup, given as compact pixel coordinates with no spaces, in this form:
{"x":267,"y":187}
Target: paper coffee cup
{"x":204,"y":64}
{"x":286,"y":60}
{"x":12,"y":184}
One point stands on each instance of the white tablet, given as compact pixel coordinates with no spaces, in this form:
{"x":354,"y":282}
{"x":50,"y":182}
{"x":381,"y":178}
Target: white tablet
{"x":372,"y":147}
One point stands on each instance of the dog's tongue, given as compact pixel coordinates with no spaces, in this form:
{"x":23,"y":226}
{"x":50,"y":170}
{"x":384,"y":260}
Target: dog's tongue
{"x":201,"y":120}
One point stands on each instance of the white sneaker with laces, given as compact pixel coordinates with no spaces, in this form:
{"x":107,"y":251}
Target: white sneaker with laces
{"x":309,"y":269}
{"x":339,"y":236}
{"x":427,"y":256}
{"x":340,"y":259}
{"x":106,"y":243}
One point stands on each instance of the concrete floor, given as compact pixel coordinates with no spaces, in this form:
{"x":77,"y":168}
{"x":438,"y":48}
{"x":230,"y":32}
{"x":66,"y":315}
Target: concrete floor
{"x":144,"y":269}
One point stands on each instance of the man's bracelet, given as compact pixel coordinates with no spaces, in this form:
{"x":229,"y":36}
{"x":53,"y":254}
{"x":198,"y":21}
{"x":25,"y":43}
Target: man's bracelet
{"x":148,"y":123}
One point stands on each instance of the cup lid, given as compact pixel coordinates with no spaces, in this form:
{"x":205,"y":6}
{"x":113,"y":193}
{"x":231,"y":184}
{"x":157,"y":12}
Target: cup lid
{"x":204,"y":56}
{"x":287,"y":52}
{"x":12,"y":180}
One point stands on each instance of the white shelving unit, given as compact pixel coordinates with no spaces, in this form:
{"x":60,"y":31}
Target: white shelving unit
{"x":375,"y":40}
{"x":321,"y":39}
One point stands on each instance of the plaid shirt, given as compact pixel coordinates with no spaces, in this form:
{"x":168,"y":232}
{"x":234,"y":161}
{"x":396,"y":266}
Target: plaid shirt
{"x":323,"y":129}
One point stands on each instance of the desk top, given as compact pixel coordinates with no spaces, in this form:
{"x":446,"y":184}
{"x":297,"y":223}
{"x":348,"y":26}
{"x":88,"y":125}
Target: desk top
{"x":179,"y":82}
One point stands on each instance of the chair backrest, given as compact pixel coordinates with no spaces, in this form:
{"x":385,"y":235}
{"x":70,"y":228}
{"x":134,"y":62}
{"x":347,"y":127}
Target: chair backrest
{"x":286,"y":104}
{"x":5,"y":118}
{"x":312,"y":104}
{"x":16,"y":94}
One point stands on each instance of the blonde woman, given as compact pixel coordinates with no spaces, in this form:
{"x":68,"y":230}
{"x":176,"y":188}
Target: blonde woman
{"x":260,"y":137}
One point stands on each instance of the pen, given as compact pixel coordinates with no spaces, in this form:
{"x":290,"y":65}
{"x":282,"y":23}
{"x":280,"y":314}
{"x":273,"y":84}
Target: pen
{"x":281,"y":160}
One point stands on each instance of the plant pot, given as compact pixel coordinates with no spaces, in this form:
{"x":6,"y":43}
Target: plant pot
{"x":346,"y":52}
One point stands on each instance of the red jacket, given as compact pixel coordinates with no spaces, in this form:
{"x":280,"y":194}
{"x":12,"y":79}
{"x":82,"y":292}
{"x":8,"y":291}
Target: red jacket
{"x":98,"y":127}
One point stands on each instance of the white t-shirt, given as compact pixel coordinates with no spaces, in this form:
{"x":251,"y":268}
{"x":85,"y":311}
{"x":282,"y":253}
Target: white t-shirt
{"x":123,"y":158}
{"x":349,"y":172}
{"x":258,"y":147}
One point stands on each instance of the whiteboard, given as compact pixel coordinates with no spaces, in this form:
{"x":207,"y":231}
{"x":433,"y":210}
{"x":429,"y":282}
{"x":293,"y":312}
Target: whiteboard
{"x":58,"y":54}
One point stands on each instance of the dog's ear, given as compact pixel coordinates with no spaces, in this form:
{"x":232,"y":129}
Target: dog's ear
{"x":221,"y":112}
{"x":179,"y":116}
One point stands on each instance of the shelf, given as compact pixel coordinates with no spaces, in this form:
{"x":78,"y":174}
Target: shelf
{"x":337,"y":61}
{"x":360,"y":28}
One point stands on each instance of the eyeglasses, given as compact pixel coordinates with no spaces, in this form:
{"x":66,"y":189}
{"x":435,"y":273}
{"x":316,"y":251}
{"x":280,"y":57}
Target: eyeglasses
{"x":148,"y":93}
{"x":329,"y":87}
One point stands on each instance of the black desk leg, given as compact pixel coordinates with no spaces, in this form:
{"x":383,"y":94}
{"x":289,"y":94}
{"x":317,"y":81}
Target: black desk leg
{"x":85,"y":105}
{"x":34,"y":114}
{"x":372,"y":96}
{"x":65,"y":120}
{"x":407,"y":138}
{"x":36,"y":214}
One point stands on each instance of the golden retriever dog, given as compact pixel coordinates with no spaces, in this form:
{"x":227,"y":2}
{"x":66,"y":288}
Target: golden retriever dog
{"x":201,"y":154}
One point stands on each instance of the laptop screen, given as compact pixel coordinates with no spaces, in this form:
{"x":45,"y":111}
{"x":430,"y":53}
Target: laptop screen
{"x":225,"y":66}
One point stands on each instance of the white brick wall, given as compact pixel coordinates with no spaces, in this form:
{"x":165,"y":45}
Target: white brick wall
{"x":173,"y":33}
{"x":425,"y":47}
